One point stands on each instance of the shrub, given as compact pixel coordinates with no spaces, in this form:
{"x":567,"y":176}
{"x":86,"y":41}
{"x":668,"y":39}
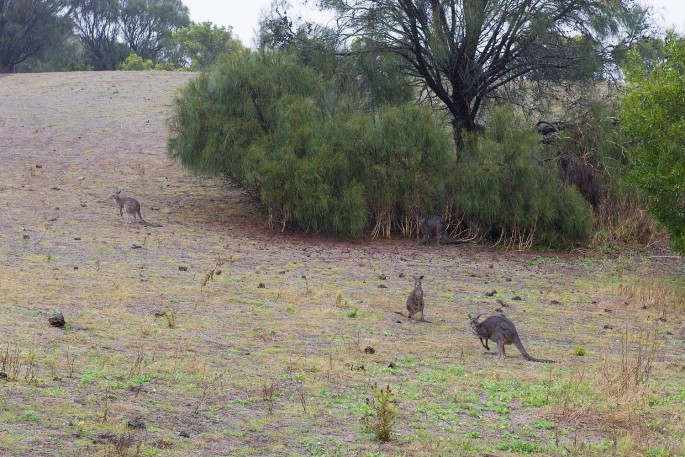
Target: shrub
{"x":653,"y":117}
{"x":314,"y":157}
{"x":135,"y":63}
{"x":508,"y":189}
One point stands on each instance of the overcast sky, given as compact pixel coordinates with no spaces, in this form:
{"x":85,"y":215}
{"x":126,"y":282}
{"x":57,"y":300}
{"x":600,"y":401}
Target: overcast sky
{"x":243,"y":15}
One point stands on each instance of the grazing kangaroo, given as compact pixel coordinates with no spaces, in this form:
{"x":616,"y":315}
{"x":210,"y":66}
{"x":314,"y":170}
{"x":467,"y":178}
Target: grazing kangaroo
{"x":434,"y":228}
{"x":502,"y":331}
{"x":415,"y":299}
{"x":132,"y":208}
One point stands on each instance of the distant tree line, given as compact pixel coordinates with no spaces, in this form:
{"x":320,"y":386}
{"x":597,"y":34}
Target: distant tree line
{"x":57,"y":35}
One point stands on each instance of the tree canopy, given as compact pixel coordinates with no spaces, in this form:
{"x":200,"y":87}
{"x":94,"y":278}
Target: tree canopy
{"x":465,"y":51}
{"x":203,"y":43}
{"x":27,"y":27}
{"x":147,"y":25}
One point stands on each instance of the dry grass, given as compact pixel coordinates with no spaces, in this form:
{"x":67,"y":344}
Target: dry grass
{"x":268,"y":357}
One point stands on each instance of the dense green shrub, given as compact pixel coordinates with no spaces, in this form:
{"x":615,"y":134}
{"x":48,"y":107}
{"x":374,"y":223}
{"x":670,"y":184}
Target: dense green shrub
{"x":512,"y":192}
{"x":653,"y":117}
{"x":314,"y":157}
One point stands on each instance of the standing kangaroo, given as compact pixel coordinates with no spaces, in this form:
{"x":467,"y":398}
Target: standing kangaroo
{"x":132,"y":208}
{"x":502,"y":331}
{"x":434,"y":228}
{"x":415,"y":299}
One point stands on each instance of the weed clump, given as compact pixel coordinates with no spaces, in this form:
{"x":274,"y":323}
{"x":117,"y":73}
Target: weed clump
{"x":380,"y":414}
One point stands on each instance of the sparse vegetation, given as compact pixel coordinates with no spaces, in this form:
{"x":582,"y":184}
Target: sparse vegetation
{"x":381,"y":412}
{"x":200,"y":386}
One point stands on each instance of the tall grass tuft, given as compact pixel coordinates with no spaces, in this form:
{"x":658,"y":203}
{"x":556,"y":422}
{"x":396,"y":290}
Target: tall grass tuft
{"x":381,"y":413}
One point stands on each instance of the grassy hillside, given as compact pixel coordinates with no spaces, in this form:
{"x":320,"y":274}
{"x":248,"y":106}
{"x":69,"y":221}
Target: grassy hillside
{"x":214,"y":335}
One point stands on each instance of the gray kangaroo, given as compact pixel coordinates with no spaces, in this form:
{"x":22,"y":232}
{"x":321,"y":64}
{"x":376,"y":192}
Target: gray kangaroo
{"x":132,"y":208}
{"x":434,"y":228}
{"x":415,"y":299}
{"x":502,"y":331}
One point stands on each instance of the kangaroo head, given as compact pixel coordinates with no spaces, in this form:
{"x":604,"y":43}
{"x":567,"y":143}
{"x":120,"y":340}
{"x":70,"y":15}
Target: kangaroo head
{"x":115,"y":194}
{"x":474,"y":322}
{"x":417,"y":281}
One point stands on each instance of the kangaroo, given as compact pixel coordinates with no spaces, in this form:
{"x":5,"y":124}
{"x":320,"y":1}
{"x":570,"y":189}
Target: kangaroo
{"x":502,"y":331}
{"x":132,"y":208}
{"x":415,"y":299}
{"x":434,"y":228}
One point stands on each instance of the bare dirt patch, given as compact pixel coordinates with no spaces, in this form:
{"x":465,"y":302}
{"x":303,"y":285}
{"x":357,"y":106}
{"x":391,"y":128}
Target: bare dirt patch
{"x":268,"y":358}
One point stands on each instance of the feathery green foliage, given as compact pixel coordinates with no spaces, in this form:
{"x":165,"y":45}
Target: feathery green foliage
{"x":507,"y":189}
{"x":317,"y":158}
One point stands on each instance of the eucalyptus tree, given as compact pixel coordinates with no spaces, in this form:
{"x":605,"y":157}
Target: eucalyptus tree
{"x":96,"y":22}
{"x":464,"y":52}
{"x":27,"y":27}
{"x":201,"y":44}
{"x":147,"y":25}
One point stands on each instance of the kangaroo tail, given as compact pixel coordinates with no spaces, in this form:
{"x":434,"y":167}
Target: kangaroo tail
{"x":519,"y":345}
{"x":147,"y":224}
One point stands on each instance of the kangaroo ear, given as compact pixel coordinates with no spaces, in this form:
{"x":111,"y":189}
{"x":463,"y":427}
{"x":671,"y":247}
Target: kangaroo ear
{"x":470,"y":316}
{"x":421,"y":277}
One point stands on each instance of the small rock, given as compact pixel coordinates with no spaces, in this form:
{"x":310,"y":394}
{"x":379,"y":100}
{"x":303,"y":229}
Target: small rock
{"x":669,"y":333}
{"x":398,"y":322}
{"x":217,"y":272}
{"x":517,"y":298}
{"x":136,"y":423}
{"x":3,"y":375}
{"x":75,"y":268}
{"x":304,"y":276}
{"x":382,"y":286}
{"x":499,"y":310}
{"x":77,"y":238}
{"x":507,"y":279}
{"x":56,"y":320}
{"x":56,"y":188}
{"x":644,"y":306}
{"x":555,"y":302}
{"x":490,"y":294}
{"x":402,"y":275}
{"x":261,"y":285}
{"x":381,"y":277}
{"x":369,"y":350}
{"x":81,"y":178}
{"x":39,"y":166}
{"x":608,"y":327}
{"x":663,"y":319}
{"x":184,"y":434}
{"x":608,"y":310}
{"x":502,"y":303}
{"x":26,"y":237}
{"x":392,"y":365}
{"x":136,"y":246}
{"x":282,"y":272}
{"x":182,"y":268}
